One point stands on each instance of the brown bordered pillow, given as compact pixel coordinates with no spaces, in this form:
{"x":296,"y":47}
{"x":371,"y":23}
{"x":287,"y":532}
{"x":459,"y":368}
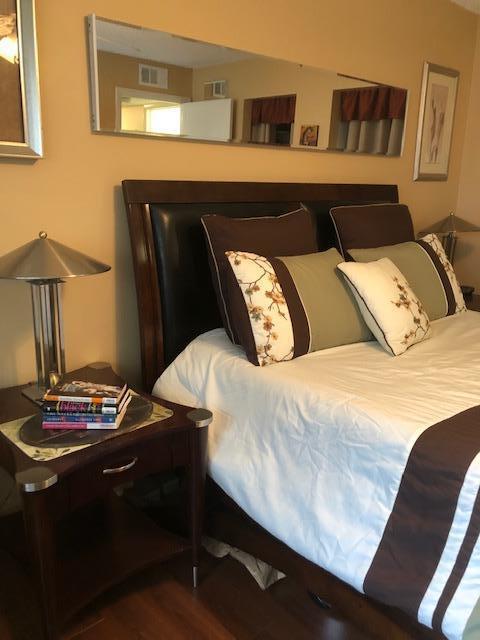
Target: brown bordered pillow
{"x":292,"y":233}
{"x":425,"y":265}
{"x":371,"y":225}
{"x":292,"y":305}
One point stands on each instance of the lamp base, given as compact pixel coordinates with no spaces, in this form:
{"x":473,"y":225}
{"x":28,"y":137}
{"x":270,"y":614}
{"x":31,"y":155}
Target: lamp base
{"x":35,"y":393}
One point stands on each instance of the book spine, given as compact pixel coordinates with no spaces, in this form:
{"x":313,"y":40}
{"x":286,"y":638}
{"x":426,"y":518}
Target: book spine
{"x":79,"y":417}
{"x":77,"y":408}
{"x":86,"y":399}
{"x":78,"y":425}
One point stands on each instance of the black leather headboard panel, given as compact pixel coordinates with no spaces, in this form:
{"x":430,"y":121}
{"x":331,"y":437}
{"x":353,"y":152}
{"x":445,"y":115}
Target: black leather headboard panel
{"x":175,"y":295}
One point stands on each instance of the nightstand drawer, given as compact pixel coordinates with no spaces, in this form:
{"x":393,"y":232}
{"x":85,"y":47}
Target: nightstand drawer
{"x":113,"y":469}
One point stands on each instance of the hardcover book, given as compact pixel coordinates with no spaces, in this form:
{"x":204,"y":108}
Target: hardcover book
{"x":67,"y":423}
{"x":78,"y":417}
{"x":84,"y":391}
{"x":82,"y":408}
{"x":68,"y":407}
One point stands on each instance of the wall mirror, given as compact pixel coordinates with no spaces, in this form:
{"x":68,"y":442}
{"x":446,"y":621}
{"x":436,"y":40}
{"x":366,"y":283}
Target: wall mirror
{"x":149,"y":82}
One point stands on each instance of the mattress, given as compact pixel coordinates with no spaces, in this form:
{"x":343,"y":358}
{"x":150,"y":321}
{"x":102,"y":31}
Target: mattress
{"x":316,"y":450}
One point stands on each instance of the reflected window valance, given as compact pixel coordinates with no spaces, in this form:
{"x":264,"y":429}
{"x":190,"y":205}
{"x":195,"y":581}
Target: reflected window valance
{"x":274,"y":110}
{"x":373,"y":103}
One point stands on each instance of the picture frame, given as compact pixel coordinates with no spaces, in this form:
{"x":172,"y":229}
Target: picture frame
{"x":308,"y":135}
{"x":20,"y":124}
{"x":435,"y":122}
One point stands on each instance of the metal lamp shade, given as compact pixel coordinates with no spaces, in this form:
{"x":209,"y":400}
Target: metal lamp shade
{"x":451,"y":224}
{"x":45,"y":259}
{"x":448,"y":228}
{"x":45,"y":263}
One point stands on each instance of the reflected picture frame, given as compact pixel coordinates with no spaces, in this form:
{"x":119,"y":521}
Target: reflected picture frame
{"x":25,"y":99}
{"x":309,"y":135}
{"x":435,"y":122}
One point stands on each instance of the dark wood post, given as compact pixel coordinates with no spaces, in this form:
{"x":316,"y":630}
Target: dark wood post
{"x":36,"y":487}
{"x":197,"y":476}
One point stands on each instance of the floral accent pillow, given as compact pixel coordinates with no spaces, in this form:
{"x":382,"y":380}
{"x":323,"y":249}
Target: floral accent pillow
{"x":388,"y":304}
{"x":292,"y":305}
{"x":267,"y":308}
{"x":432,"y":240}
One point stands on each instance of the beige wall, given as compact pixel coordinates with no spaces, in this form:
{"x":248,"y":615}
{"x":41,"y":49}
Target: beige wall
{"x":467,"y":261}
{"x":11,"y":126}
{"x":261,"y":77}
{"x":115,"y":70}
{"x":74,"y":192}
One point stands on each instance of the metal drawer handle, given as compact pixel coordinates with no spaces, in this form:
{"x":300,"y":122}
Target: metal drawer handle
{"x":125,"y":467}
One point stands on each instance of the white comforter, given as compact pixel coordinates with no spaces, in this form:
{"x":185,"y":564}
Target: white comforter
{"x":314,"y":449}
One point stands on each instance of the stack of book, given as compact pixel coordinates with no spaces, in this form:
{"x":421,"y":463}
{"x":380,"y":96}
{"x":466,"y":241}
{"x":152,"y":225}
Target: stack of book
{"x":85,"y":405}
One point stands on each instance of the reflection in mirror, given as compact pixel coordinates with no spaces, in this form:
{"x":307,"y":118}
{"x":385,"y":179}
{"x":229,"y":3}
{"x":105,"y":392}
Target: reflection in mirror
{"x":155,"y":83}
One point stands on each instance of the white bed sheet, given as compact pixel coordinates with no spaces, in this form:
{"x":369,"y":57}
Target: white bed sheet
{"x":314,"y":449}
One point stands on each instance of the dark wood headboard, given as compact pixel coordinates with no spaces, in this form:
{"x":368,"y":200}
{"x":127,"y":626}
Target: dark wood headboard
{"x":174,"y":291}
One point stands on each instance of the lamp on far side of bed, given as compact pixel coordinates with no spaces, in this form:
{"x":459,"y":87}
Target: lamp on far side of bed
{"x":447,"y":230}
{"x":44,"y":264}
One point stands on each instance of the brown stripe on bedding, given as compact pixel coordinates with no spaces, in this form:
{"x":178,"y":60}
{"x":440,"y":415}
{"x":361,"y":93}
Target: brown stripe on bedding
{"x":447,"y":285}
{"x":418,"y":527}
{"x":460,"y":566}
{"x":300,"y":327}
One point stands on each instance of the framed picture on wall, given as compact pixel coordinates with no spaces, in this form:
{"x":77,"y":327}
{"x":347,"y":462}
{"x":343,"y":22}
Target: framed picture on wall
{"x":435,"y":122}
{"x":20,"y":124}
{"x":309,"y":135}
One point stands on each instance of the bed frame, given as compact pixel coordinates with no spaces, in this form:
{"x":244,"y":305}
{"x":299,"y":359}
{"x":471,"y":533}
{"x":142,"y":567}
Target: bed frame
{"x":170,"y":265}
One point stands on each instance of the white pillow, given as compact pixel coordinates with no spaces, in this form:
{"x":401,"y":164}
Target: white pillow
{"x":390,"y":308}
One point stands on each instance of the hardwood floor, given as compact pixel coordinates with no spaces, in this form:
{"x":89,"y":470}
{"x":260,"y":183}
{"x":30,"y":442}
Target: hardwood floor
{"x":159,"y":604}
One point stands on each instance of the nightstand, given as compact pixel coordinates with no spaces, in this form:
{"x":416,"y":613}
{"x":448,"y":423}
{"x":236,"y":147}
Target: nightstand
{"x":473,"y":302}
{"x":81,"y":537}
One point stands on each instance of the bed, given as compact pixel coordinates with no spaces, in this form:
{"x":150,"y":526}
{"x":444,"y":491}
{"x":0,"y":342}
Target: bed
{"x":309,"y":434}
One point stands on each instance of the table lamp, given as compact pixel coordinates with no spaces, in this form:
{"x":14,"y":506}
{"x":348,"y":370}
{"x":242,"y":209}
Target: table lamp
{"x":45,"y":263}
{"x":448,"y":228}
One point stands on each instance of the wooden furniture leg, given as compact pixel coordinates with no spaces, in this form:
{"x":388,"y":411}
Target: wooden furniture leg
{"x":197,"y":477}
{"x":39,"y":529}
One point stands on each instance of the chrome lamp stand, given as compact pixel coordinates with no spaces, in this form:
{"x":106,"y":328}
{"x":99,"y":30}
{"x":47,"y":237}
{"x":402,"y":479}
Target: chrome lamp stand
{"x":449,"y":242}
{"x":48,"y":330}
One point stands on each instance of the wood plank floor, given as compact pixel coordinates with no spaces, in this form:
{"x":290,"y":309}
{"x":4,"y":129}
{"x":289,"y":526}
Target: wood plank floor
{"x":160,"y":604}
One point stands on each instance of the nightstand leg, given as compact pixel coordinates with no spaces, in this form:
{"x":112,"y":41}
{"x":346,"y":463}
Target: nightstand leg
{"x":39,"y":532}
{"x":197,"y":475}
{"x":195,"y":576}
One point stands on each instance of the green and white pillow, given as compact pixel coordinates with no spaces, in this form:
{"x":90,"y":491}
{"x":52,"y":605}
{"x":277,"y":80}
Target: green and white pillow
{"x":388,"y":304}
{"x":292,"y":305}
{"x":426,"y":267}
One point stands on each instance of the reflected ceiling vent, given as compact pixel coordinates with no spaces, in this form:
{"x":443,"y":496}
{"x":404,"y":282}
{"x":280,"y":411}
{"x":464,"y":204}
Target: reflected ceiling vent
{"x":152,"y":76}
{"x":215,"y":89}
